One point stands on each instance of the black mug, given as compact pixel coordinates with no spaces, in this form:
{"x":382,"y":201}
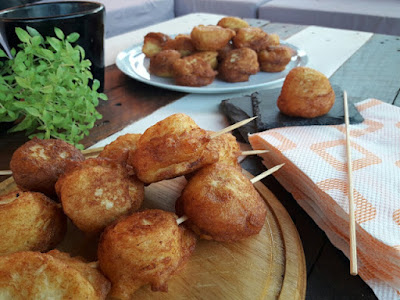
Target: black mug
{"x":85,"y":18}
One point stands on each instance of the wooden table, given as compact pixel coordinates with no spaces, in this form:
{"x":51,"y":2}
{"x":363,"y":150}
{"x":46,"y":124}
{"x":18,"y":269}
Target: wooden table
{"x":372,"y":71}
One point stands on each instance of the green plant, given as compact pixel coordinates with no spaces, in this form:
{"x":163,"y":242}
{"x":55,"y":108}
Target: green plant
{"x":45,"y":88}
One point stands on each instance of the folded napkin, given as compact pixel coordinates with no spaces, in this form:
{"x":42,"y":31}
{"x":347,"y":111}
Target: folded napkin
{"x":316,"y":175}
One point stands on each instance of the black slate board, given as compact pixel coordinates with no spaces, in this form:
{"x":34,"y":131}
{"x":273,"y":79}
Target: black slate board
{"x":263,"y":105}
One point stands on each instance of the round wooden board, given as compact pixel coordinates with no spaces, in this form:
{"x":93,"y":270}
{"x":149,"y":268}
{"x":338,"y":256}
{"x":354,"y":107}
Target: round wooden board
{"x":269,"y":265}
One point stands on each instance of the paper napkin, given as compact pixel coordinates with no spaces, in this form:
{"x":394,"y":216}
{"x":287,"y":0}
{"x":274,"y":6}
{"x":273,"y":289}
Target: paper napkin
{"x":316,"y":175}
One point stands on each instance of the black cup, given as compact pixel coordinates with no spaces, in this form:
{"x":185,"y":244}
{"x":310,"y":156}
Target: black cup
{"x":85,"y":18}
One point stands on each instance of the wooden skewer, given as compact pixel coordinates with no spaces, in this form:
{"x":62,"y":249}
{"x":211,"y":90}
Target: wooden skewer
{"x":181,"y":219}
{"x":253,"y":152}
{"x":266,"y":173}
{"x":92,"y":151}
{"x":5,"y":172}
{"x":232,"y":127}
{"x":352,"y":222}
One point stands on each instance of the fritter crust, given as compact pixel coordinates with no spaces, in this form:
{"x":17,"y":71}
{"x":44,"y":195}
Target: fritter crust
{"x":211,"y":37}
{"x":238,"y":65}
{"x":228,"y":149}
{"x":182,"y":43}
{"x":161,"y":63}
{"x":252,"y":37}
{"x":35,"y":275}
{"x":221,"y":204}
{"x":172,"y":147}
{"x":89,"y":270}
{"x":274,"y":58}
{"x":147,"y":247}
{"x":30,"y":221}
{"x":306,"y":93}
{"x":37,"y":164}
{"x":97,"y":191}
{"x":118,"y":150}
{"x":192,"y":71}
{"x":153,"y":43}
{"x":209,"y":57}
{"x":233,"y":23}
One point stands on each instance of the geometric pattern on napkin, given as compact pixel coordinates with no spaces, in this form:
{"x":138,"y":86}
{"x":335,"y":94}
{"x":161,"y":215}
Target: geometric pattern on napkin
{"x":316,"y":174}
{"x":364,"y":210}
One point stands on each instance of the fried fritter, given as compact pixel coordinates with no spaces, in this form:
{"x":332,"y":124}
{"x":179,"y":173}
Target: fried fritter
{"x":97,"y":191}
{"x":228,"y":149}
{"x":35,"y":275}
{"x":153,"y":43}
{"x":181,"y":43}
{"x":224,"y":51}
{"x":192,"y":71}
{"x":161,"y":63}
{"x":118,"y":150}
{"x":172,"y":147}
{"x":306,"y":93}
{"x":208,"y":56}
{"x":273,"y":39}
{"x":221,"y":204}
{"x":30,"y":221}
{"x":147,"y":247}
{"x":37,"y":164}
{"x":251,"y":37}
{"x":89,"y":270}
{"x":211,"y":37}
{"x":274,"y":58}
{"x":233,"y":23}
{"x":238,"y":65}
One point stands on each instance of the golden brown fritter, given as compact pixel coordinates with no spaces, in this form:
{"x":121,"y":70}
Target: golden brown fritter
{"x":161,"y":63}
{"x":153,"y":43}
{"x":181,"y":43}
{"x":208,"y":56}
{"x":35,"y":275}
{"x":118,"y":150}
{"x":37,"y":164}
{"x":273,"y":39}
{"x":221,"y":204}
{"x":251,"y":37}
{"x":274,"y":58}
{"x":228,"y":149}
{"x":306,"y":93}
{"x":172,"y":147}
{"x":233,"y":23}
{"x":211,"y":37}
{"x":192,"y":71}
{"x":224,"y":51}
{"x":238,"y":65}
{"x":89,"y":270}
{"x":97,"y":191}
{"x":147,"y":247}
{"x":30,"y":221}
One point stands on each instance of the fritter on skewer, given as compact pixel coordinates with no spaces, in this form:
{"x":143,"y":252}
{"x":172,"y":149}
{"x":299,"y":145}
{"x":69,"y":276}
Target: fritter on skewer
{"x":30,"y":221}
{"x":172,"y":147}
{"x":228,"y":149}
{"x":238,"y":65}
{"x":118,"y":150}
{"x":221,"y":204}
{"x":35,"y":275}
{"x":147,"y":247}
{"x":37,"y":164}
{"x":97,"y":191}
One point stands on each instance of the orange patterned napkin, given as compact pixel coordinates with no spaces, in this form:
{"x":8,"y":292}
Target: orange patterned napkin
{"x":316,"y":175}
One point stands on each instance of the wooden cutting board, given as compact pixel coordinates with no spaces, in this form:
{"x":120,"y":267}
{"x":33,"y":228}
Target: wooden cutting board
{"x":269,"y":265}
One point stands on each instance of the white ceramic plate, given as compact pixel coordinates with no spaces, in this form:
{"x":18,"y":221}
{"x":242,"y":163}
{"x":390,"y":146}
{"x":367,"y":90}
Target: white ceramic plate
{"x":134,"y":64}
